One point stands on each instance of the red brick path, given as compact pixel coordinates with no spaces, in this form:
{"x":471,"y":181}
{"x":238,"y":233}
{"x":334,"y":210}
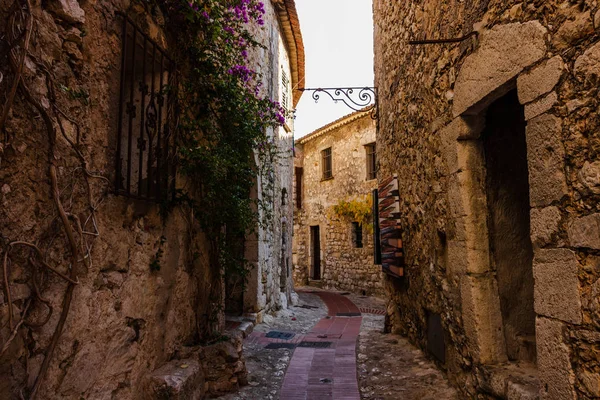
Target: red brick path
{"x":317,"y":374}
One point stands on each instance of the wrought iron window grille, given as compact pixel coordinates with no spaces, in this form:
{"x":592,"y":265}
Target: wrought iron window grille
{"x":146,"y":134}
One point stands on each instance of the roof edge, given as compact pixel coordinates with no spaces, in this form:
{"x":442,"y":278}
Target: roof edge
{"x":288,"y":17}
{"x":345,"y":120}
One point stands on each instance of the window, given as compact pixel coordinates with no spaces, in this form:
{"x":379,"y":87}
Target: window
{"x":285,"y":98}
{"x":299,"y":171}
{"x":285,"y":90}
{"x":145,"y":167}
{"x":357,"y":235}
{"x":371,"y":151}
{"x":326,"y":164}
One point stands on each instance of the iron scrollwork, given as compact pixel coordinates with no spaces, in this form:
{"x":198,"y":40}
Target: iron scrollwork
{"x":356,"y":98}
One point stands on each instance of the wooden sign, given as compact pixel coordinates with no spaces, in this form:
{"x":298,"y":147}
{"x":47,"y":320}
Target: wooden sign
{"x":392,"y":254}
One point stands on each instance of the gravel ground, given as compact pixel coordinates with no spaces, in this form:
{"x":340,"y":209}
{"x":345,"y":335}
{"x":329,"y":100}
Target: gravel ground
{"x":266,"y":368}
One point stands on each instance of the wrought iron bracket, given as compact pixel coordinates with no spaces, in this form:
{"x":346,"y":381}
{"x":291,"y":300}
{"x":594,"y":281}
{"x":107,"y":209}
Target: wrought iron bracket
{"x":355,"y":98}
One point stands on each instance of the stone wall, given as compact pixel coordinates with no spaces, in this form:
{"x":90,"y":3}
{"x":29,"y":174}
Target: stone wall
{"x":343,"y":266}
{"x":144,"y":297}
{"x":433,"y":103}
{"x":269,"y":286}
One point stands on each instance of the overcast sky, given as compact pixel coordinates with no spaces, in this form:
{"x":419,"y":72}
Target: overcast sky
{"x":338,"y":42}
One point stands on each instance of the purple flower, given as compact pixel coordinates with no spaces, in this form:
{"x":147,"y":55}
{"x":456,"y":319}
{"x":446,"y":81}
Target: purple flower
{"x":241,"y":71}
{"x":205,"y":15}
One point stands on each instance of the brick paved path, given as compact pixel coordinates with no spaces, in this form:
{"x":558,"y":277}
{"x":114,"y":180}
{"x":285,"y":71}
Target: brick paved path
{"x":326,"y":373}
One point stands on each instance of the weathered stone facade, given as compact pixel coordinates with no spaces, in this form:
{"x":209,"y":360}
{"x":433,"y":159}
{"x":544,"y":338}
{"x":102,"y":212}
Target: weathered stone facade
{"x":143,"y":299}
{"x":343,"y":266}
{"x":495,"y":143}
{"x":270,"y":285}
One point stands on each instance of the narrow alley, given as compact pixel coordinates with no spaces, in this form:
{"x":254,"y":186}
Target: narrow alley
{"x":300,"y":199}
{"x":332,"y":346}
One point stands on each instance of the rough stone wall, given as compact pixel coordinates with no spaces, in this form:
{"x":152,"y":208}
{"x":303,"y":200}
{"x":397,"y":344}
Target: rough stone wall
{"x":126,"y":320}
{"x":270,"y":286}
{"x":343,"y":266}
{"x":432,"y":102}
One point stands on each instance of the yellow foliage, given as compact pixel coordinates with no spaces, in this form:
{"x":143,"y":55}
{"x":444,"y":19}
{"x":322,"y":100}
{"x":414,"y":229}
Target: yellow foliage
{"x":357,"y":210}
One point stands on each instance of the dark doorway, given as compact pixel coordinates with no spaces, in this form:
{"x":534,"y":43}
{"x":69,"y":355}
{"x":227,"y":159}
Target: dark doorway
{"x":511,"y":251}
{"x":315,"y":245}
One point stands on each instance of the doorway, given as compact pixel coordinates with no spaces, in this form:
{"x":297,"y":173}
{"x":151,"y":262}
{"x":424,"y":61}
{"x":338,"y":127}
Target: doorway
{"x":315,"y":245}
{"x":511,"y":252}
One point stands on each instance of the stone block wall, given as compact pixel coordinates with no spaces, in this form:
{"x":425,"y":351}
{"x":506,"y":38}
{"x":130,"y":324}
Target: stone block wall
{"x":433,"y":101}
{"x":270,"y":285}
{"x":343,"y":266}
{"x":148,"y":292}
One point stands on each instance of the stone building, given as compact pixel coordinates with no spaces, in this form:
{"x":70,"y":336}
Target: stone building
{"x":494,"y":138}
{"x":269,"y":286}
{"x":143,"y":297}
{"x":336,"y":164}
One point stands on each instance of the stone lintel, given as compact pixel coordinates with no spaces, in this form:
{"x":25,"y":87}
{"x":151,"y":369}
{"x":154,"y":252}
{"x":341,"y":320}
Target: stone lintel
{"x":504,"y":52}
{"x":541,"y":80}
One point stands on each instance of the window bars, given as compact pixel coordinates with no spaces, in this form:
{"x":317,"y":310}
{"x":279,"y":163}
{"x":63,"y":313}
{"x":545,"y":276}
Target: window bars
{"x":145,"y":167}
{"x":326,"y":164}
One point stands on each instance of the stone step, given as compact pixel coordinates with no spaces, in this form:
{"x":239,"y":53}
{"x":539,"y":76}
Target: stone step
{"x":176,"y":380}
{"x":510,"y":381}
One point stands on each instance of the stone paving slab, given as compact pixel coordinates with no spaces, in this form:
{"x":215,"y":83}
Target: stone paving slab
{"x":316,"y":374}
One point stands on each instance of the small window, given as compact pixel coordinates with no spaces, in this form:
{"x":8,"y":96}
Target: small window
{"x":357,"y":235}
{"x":299,"y":171}
{"x":371,"y":151}
{"x":326,"y":164}
{"x":145,"y":166}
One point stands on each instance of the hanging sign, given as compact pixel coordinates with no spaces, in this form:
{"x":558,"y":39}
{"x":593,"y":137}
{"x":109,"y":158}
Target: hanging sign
{"x":390,"y":232}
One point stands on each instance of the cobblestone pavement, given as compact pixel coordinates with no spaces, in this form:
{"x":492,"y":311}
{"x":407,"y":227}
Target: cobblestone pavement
{"x":388,"y":366}
{"x":266,"y":367}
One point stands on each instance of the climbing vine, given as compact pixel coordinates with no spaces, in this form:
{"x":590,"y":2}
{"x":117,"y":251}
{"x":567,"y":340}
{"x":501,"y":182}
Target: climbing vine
{"x":227,"y":126}
{"x":72,"y":226}
{"x":225,"y":140}
{"x":225,"y":145}
{"x":357,"y":210}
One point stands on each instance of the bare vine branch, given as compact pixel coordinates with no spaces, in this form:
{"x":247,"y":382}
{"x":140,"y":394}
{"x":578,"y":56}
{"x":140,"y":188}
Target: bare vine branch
{"x":19,"y":70}
{"x":15,"y":330}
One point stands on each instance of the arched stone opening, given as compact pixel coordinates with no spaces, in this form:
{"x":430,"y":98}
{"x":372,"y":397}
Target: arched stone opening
{"x":511,"y":252}
{"x":498,"y":309}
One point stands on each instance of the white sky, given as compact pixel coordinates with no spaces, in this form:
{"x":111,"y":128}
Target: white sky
{"x":338,"y":43}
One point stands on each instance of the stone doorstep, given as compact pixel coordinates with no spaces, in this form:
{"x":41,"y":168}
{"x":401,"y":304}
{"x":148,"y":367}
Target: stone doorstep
{"x":510,"y":381}
{"x":315,"y":283}
{"x":177,"y":380}
{"x":246,"y":324}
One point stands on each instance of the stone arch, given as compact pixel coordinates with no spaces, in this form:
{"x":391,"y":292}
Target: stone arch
{"x":508,"y":57}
